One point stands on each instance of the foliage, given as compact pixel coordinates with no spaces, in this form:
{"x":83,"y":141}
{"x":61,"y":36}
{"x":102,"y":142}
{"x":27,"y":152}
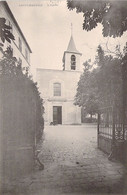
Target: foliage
{"x":111,"y":14}
{"x":101,"y":86}
{"x":11,"y":70}
{"x":124,"y":81}
{"x":5,"y":33}
{"x":19,"y":81}
{"x":86,"y":95}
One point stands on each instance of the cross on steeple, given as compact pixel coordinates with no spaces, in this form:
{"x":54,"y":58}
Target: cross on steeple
{"x":71,"y":56}
{"x":71,"y":29}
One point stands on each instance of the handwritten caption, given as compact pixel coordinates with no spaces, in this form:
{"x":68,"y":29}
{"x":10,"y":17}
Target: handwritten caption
{"x":51,"y":3}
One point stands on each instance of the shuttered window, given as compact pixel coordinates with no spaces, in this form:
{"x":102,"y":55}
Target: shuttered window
{"x":57,"y":89}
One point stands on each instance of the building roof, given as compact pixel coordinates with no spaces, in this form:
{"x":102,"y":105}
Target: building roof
{"x":12,"y":16}
{"x":71,"y":46}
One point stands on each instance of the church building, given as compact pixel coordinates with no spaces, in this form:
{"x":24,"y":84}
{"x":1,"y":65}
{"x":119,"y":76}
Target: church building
{"x":58,"y":88}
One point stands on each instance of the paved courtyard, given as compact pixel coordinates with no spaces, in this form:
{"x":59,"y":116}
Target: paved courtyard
{"x":74,"y":165}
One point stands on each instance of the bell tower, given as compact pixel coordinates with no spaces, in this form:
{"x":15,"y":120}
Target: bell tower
{"x":71,"y":57}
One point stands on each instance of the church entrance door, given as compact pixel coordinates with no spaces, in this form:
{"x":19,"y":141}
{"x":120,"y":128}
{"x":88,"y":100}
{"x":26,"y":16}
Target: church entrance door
{"x":57,"y":114}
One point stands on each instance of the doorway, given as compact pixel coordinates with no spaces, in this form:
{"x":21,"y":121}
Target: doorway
{"x":57,"y":114}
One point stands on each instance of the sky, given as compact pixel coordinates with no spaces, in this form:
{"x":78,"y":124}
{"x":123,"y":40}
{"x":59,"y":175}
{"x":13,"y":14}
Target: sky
{"x":47,"y":28}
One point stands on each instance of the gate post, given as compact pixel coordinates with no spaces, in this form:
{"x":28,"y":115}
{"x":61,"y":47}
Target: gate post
{"x":113,"y":147}
{"x":117,"y":137}
{"x":98,"y":123}
{"x":122,"y":146}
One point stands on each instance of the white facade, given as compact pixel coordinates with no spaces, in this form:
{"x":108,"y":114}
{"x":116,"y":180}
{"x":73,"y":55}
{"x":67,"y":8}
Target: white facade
{"x":59,"y":107}
{"x":21,"y":49}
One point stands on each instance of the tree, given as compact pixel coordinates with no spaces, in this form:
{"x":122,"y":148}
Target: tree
{"x":101,"y":86}
{"x":111,"y":14}
{"x":86,"y":95}
{"x":11,"y":69}
{"x":21,"y":112}
{"x":5,"y":33}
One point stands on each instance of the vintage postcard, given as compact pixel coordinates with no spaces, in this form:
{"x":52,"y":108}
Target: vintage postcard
{"x":63,"y":97}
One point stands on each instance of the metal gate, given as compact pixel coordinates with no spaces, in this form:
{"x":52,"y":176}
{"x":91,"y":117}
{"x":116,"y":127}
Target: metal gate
{"x":112,"y":133}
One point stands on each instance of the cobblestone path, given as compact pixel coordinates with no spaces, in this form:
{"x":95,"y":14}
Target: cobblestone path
{"x":74,"y":165}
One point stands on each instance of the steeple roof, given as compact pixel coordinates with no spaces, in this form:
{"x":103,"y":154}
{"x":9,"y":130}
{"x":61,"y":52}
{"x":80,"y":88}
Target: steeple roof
{"x":71,"y":46}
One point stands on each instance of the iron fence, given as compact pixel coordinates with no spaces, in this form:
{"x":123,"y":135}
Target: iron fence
{"x":112,"y":132}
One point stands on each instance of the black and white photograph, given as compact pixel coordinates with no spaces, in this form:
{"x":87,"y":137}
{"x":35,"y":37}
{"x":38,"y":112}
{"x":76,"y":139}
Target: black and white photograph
{"x":63,"y":97}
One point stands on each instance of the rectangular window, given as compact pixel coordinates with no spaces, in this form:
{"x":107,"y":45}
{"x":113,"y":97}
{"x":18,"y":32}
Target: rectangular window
{"x":20,"y":45}
{"x":20,"y":62}
{"x":11,"y":30}
{"x":26,"y":54}
{"x":57,"y":89}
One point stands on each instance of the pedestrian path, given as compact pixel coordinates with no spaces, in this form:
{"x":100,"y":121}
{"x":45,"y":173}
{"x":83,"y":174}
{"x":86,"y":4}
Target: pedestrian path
{"x":74,"y":165}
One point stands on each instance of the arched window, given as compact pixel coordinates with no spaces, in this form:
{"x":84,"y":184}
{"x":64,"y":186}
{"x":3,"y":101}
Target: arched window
{"x":73,"y":62}
{"x":57,"y":89}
